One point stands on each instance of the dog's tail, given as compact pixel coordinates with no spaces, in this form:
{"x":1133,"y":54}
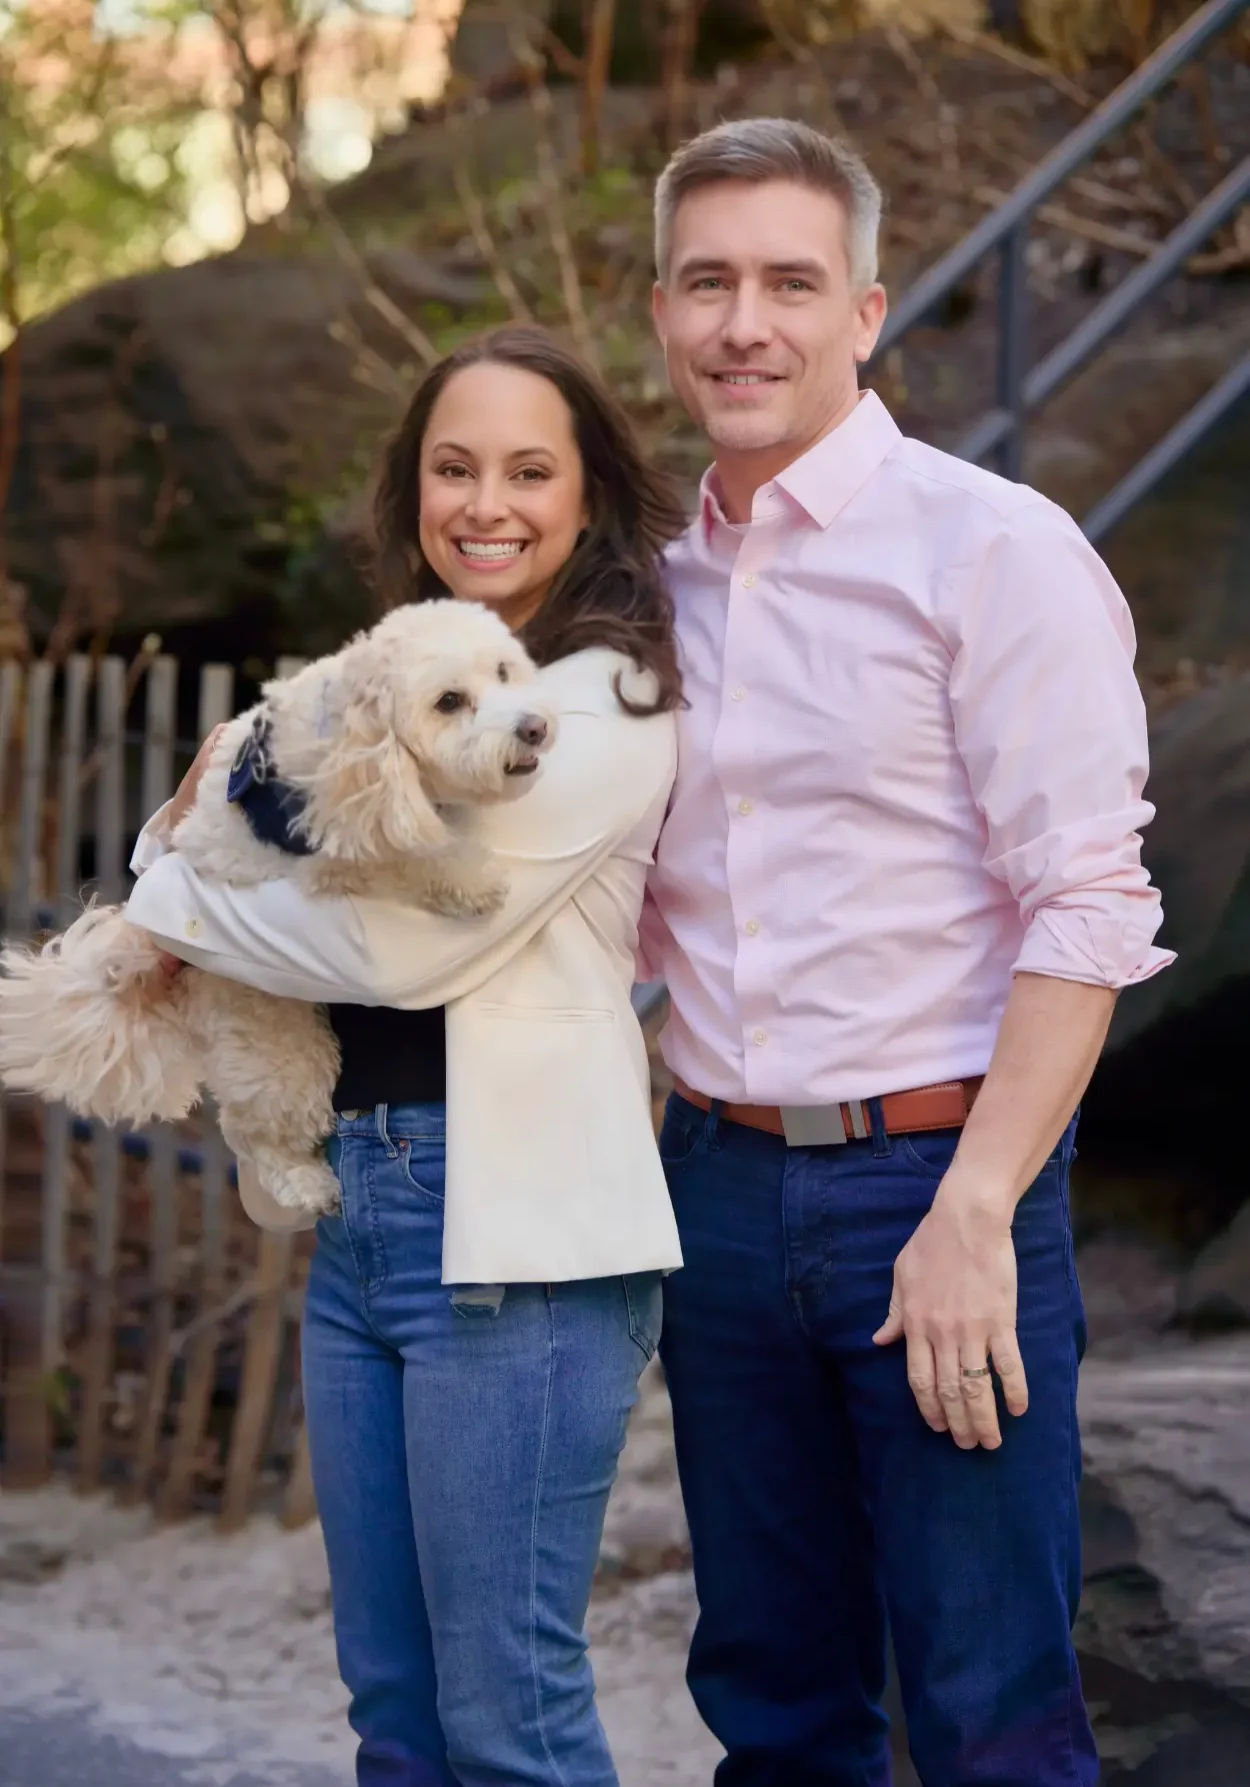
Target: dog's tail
{"x":91,"y":1021}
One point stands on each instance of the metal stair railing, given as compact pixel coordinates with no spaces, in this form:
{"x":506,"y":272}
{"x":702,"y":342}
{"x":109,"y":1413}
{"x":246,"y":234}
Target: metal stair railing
{"x":1020,"y":391}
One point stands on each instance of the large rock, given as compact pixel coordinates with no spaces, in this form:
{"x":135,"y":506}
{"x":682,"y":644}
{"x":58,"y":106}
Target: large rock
{"x":1167,"y":1513}
{"x":1215,"y":1291}
{"x":1198,"y":850}
{"x":1169,"y":1089}
{"x":181,"y":434}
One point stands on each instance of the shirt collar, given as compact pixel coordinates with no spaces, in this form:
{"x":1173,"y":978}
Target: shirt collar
{"x":827,"y":476}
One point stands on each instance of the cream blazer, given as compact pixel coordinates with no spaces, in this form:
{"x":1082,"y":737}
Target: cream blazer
{"x":552,"y":1170}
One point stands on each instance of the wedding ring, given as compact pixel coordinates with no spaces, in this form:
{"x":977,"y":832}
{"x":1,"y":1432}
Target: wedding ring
{"x":975,"y":1371}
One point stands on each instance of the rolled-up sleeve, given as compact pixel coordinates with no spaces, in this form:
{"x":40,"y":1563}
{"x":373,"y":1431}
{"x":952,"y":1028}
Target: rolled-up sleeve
{"x":1051,"y":727}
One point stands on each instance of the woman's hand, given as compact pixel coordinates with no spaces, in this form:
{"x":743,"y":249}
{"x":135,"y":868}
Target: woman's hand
{"x":179,"y":807}
{"x":188,"y":788}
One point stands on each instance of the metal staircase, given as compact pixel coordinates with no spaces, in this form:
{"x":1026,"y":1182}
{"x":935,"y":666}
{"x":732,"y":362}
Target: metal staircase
{"x":1022,"y":387}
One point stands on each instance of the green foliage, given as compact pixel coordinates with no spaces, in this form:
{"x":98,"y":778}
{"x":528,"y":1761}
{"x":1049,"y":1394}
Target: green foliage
{"x":90,"y":134}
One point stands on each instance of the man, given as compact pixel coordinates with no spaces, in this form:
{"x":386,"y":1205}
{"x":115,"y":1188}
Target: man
{"x":895,"y":896}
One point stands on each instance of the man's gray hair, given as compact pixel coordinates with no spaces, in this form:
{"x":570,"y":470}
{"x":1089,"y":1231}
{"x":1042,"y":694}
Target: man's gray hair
{"x":760,"y":149}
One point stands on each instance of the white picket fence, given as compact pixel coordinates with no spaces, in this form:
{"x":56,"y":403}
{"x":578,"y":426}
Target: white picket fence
{"x":147,"y":1333}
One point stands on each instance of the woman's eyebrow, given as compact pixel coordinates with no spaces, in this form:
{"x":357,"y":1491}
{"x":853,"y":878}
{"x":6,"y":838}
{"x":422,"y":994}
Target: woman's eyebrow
{"x":516,"y":453}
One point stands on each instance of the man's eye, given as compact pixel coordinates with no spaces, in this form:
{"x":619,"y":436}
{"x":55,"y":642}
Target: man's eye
{"x":450,"y":703}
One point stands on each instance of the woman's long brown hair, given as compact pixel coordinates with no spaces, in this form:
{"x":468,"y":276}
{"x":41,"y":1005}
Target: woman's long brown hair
{"x":611,"y":592}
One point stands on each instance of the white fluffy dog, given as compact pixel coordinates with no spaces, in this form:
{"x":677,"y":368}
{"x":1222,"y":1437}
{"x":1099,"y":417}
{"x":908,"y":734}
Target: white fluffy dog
{"x":374,"y":762}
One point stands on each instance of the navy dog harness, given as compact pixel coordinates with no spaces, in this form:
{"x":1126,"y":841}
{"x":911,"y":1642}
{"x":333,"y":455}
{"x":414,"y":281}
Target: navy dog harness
{"x":271,"y":806}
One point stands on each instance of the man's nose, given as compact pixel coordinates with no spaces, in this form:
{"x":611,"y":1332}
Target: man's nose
{"x":532,"y":729}
{"x":745,"y":326}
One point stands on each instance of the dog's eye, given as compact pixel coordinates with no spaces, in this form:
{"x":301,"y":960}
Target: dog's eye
{"x":503,"y":673}
{"x":450,"y":703}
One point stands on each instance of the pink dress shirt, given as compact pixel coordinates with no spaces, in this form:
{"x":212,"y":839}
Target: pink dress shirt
{"x":912,"y":765}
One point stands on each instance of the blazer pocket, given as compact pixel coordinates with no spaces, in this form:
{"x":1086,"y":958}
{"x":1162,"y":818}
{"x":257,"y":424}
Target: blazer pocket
{"x":544,"y":1014}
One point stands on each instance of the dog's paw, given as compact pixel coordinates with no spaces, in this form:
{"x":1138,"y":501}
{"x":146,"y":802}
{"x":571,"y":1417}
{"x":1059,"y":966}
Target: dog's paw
{"x":477,"y":898}
{"x":481,"y":901}
{"x":304,"y":1185}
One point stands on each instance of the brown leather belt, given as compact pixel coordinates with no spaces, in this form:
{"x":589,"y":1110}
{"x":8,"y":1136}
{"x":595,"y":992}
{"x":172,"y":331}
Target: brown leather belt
{"x":905,"y":1113}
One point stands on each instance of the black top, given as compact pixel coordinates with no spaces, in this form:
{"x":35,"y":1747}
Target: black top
{"x":386,"y":1056}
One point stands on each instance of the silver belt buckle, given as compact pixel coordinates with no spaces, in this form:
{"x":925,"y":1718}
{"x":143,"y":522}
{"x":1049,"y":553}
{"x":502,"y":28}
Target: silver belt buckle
{"x":821,"y":1125}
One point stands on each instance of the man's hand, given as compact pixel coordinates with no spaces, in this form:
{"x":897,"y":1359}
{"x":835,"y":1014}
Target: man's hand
{"x":188,"y":788}
{"x":954,"y":1303}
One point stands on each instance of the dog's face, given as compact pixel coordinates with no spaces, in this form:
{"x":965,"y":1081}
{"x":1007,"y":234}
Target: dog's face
{"x":434,"y":707}
{"x":465,"y":707}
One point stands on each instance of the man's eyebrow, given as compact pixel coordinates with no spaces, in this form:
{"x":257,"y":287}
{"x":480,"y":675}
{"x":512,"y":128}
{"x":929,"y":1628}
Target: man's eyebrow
{"x":789,"y":269}
{"x":808,"y":269}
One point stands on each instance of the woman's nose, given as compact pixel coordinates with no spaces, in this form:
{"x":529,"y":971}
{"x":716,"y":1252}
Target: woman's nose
{"x":486,"y":501}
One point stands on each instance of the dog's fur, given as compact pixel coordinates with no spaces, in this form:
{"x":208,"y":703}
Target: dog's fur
{"x":391,"y":771}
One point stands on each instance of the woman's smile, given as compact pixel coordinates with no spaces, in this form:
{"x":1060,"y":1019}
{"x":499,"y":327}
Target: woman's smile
{"x":503,"y":491}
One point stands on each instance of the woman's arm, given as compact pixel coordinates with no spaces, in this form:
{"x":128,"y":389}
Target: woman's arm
{"x":603,"y":777}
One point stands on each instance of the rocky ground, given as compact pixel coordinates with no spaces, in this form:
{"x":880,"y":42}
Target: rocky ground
{"x":141,"y":1657}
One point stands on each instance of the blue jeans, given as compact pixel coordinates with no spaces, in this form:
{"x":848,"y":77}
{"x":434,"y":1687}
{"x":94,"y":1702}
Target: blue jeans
{"x":463,"y":1445}
{"x":821,"y":1505}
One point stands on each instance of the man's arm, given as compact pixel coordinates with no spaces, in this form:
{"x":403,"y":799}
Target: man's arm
{"x":1051,"y":729}
{"x":955,"y":1281}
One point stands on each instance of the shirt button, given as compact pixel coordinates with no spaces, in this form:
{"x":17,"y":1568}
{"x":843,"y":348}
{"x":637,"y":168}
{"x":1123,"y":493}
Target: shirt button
{"x":736,"y":694}
{"x":760,"y":1038}
{"x":193,"y":927}
{"x":745,"y":807}
{"x":749,"y":581}
{"x":753,"y":927}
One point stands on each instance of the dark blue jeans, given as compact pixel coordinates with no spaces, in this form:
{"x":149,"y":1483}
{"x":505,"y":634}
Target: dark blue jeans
{"x":822,"y":1507}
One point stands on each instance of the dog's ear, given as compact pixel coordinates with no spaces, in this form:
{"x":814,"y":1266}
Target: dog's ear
{"x":367,"y":801}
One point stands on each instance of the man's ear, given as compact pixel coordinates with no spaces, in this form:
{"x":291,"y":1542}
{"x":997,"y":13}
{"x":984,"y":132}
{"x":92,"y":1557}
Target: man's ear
{"x":659,"y":312}
{"x":870,"y":320}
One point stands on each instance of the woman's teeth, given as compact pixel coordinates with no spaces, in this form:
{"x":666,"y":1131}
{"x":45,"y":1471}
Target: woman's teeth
{"x":490,"y":551}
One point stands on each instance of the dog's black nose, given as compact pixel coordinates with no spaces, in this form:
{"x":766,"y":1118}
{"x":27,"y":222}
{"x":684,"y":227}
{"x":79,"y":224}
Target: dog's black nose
{"x":531,"y":729}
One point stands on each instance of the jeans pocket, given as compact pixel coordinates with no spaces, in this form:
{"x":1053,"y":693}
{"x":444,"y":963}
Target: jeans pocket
{"x":682,"y":1135}
{"x":644,"y":1301}
{"x":931,"y":1151}
{"x":424,"y":1166}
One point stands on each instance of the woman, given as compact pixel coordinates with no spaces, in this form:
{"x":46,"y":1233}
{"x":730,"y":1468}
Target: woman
{"x":478,"y":1316}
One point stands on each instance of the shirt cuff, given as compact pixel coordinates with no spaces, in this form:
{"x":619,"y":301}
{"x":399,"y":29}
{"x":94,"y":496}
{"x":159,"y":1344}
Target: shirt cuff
{"x":1099,"y":948}
{"x":152,"y":842}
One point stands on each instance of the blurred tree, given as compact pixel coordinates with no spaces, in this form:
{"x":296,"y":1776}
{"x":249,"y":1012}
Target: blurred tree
{"x":94,"y":187}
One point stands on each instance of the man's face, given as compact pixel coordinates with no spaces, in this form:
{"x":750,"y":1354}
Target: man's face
{"x":761,"y":328}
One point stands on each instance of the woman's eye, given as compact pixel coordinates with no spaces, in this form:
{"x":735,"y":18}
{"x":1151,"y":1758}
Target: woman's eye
{"x":453,"y":471}
{"x":503,"y":673}
{"x":532,"y":474}
{"x":449,"y":703}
